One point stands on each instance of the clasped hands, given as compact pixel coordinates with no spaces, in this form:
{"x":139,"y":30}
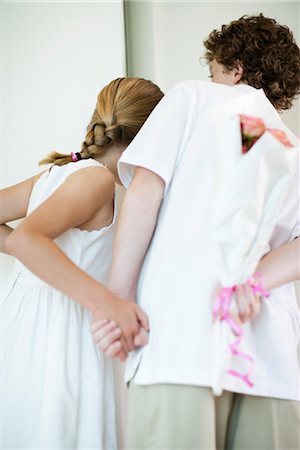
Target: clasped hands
{"x":116,"y":338}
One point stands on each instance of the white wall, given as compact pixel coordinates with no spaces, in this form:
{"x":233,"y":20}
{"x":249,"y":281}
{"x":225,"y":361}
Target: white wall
{"x":56,"y":56}
{"x":165,"y":38}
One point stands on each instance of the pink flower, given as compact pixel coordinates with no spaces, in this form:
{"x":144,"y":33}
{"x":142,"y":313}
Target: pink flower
{"x":281,"y":136}
{"x":252,"y":127}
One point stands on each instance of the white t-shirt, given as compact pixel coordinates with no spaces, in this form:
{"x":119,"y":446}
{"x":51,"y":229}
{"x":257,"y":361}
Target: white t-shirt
{"x":179,"y":276}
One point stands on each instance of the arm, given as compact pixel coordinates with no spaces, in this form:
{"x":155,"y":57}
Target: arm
{"x":137,"y":221}
{"x":32,"y":243}
{"x":281,"y":265}
{"x":278,"y":267}
{"x":13,"y":205}
{"x":5,"y":231}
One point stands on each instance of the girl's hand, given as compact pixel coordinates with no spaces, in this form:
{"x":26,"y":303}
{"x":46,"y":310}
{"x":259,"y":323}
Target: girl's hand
{"x":107,"y":337}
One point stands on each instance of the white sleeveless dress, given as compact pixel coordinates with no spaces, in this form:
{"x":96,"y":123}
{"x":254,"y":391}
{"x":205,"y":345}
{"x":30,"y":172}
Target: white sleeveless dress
{"x":56,"y":387}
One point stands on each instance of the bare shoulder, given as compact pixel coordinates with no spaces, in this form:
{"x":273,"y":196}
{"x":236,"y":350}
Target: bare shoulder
{"x":83,"y":200}
{"x":98,"y":183}
{"x":96,"y":191}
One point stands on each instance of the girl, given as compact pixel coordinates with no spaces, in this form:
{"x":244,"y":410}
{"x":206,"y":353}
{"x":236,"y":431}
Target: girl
{"x":57,"y":390}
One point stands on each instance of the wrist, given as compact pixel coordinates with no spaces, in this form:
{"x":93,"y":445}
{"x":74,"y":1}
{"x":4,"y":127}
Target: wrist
{"x":257,"y":284}
{"x":125,"y":292}
{"x":99,"y":302}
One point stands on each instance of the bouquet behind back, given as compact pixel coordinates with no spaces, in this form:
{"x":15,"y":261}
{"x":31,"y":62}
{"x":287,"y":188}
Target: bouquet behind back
{"x":256,"y":156}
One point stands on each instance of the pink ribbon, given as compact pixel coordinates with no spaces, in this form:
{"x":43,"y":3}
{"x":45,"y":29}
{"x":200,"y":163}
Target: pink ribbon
{"x":221,"y":311}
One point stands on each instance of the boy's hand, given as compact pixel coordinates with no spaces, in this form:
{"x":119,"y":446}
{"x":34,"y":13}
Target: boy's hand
{"x":245,"y":304}
{"x":248,"y":303}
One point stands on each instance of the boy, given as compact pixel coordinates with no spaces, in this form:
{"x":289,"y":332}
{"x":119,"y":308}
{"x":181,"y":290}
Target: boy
{"x":163,"y":257}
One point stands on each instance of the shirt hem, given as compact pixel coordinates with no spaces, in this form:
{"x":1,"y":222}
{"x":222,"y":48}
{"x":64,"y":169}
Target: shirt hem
{"x":260,"y":389}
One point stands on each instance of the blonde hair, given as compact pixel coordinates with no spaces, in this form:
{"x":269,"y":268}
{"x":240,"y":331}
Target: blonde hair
{"x":122,"y":108}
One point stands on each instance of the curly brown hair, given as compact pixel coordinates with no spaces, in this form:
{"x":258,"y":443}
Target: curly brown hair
{"x":267,"y":52}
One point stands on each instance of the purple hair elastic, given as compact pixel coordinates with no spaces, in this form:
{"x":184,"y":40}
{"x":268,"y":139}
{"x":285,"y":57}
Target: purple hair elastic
{"x":76,"y":156}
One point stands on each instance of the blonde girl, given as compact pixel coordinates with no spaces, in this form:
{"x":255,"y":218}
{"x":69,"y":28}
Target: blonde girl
{"x":57,"y":389}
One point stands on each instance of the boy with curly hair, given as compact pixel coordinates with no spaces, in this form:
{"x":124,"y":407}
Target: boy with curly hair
{"x":164,"y":258}
{"x":262,"y":53}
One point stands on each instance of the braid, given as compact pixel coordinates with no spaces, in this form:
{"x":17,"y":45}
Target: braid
{"x":122,"y":108}
{"x":96,"y":139}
